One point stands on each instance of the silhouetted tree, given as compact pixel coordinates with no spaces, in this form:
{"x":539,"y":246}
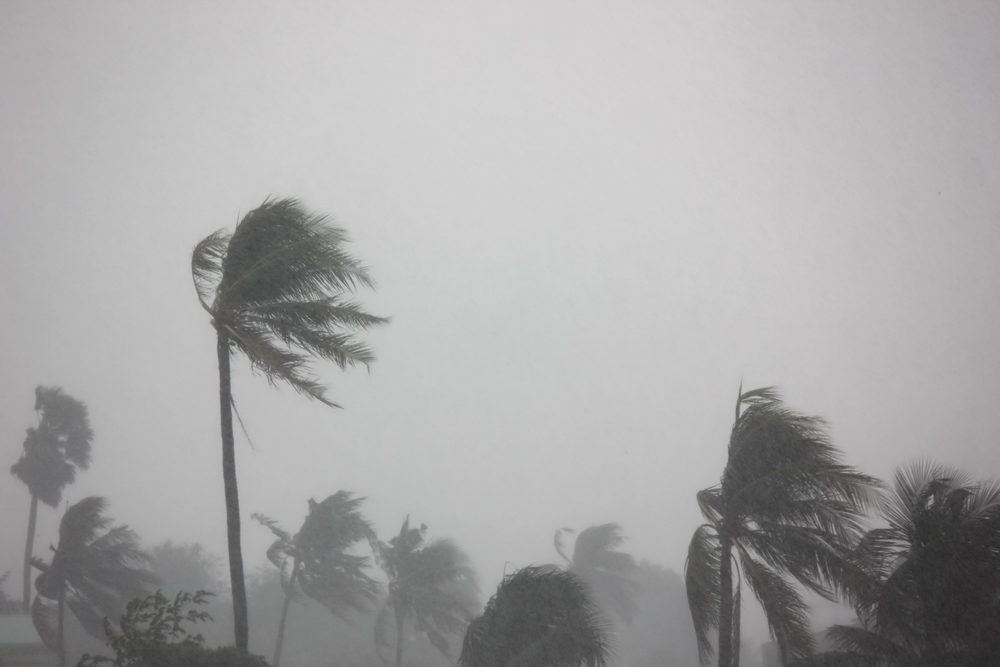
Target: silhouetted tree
{"x":95,"y":570}
{"x":276,"y":289}
{"x":315,"y":561}
{"x":430,"y":585}
{"x":934,"y":594}
{"x":785,"y":506}
{"x":601,"y":566}
{"x":539,"y":617}
{"x":53,"y":450}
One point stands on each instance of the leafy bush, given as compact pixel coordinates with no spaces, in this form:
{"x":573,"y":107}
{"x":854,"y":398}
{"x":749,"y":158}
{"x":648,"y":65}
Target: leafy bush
{"x":152,"y":634}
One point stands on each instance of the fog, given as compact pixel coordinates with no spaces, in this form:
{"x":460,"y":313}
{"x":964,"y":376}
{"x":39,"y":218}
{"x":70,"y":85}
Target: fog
{"x":588,"y":222}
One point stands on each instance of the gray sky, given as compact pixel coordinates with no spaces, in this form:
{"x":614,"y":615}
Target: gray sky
{"x":587,"y":220}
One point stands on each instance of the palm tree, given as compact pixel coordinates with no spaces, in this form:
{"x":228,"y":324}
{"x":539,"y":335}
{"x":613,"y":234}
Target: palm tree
{"x":430,"y":585}
{"x":539,"y":617}
{"x":53,"y":451}
{"x":316,"y":561}
{"x":785,"y":507}
{"x":934,"y":597}
{"x":275,"y":289}
{"x":601,"y":566}
{"x":95,"y":569}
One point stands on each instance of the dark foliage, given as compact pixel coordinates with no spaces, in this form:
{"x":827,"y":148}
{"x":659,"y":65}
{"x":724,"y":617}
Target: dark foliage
{"x":785,"y":509}
{"x":539,"y":617}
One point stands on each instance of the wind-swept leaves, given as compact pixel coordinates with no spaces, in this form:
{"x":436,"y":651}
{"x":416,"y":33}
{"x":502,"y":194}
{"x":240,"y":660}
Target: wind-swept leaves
{"x":317,"y":562}
{"x":539,"y":616}
{"x":431,"y":585}
{"x":598,"y":562}
{"x":789,"y":508}
{"x":95,"y":569}
{"x":276,"y":290}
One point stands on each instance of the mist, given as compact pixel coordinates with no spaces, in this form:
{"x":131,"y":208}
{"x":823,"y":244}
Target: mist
{"x":589,"y":225}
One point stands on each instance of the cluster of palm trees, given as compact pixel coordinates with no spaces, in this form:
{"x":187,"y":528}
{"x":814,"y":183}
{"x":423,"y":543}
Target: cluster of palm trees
{"x":926,"y":588}
{"x":786,"y":516}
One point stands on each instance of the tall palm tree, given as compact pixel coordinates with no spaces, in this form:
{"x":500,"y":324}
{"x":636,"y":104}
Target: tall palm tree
{"x":431,"y":586}
{"x":597,"y":561}
{"x":275,"y":289}
{"x":95,"y":569}
{"x":539,"y":617}
{"x":934,"y":594}
{"x":53,"y":451}
{"x":786,"y":507}
{"x":316,"y":562}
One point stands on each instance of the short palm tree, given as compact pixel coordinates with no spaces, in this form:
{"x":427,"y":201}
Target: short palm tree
{"x":539,"y":617}
{"x":934,"y":597}
{"x":95,"y":569}
{"x":431,"y":586}
{"x":597,"y":561}
{"x":315,"y":561}
{"x":275,"y":289}
{"x":53,"y":451}
{"x":785,"y":507}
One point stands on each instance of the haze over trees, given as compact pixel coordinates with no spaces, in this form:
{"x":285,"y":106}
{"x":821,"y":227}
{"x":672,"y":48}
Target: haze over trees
{"x":96,"y":568}
{"x":785,"y":508}
{"x":53,"y":451}
{"x":432,"y":588}
{"x":317,"y":562}
{"x":276,"y":289}
{"x":607,"y":571}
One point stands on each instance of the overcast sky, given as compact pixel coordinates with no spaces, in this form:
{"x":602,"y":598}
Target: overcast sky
{"x":587,"y":221}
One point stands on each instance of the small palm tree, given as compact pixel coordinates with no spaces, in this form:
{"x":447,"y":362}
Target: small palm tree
{"x":431,"y":586}
{"x":275,"y":289}
{"x":785,"y":506}
{"x":316,"y":561}
{"x":95,"y":570}
{"x":539,"y":617}
{"x":53,"y":451}
{"x":934,"y":594}
{"x":597,"y":561}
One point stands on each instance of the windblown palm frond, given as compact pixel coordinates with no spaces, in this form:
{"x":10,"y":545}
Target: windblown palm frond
{"x":934,"y":573}
{"x":431,"y":585}
{"x":597,"y":561}
{"x":539,"y":616}
{"x":275,"y":287}
{"x":791,"y":511}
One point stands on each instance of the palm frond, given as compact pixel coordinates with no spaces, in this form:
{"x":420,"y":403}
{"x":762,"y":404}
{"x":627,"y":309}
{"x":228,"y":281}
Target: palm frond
{"x":701,"y":574}
{"x":206,"y":266}
{"x":787,"y":614}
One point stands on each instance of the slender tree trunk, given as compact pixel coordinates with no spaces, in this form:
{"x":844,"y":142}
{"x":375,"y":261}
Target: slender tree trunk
{"x":29,"y":546}
{"x":399,"y":637}
{"x":60,"y":627}
{"x":726,"y":603}
{"x":280,"y":641}
{"x":240,"y":623}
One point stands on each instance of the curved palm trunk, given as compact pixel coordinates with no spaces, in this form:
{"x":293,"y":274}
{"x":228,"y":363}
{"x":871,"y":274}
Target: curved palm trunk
{"x":280,"y":641}
{"x":726,"y":604}
{"x":240,"y":623}
{"x":399,"y":636}
{"x":29,"y":546}
{"x":60,"y":627}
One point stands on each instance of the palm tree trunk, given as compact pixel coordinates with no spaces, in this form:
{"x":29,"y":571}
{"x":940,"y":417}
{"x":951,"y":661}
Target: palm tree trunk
{"x":399,"y":637}
{"x":60,"y":627}
{"x":240,"y":623}
{"x":29,"y":546}
{"x":726,"y":603}
{"x":280,"y":641}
